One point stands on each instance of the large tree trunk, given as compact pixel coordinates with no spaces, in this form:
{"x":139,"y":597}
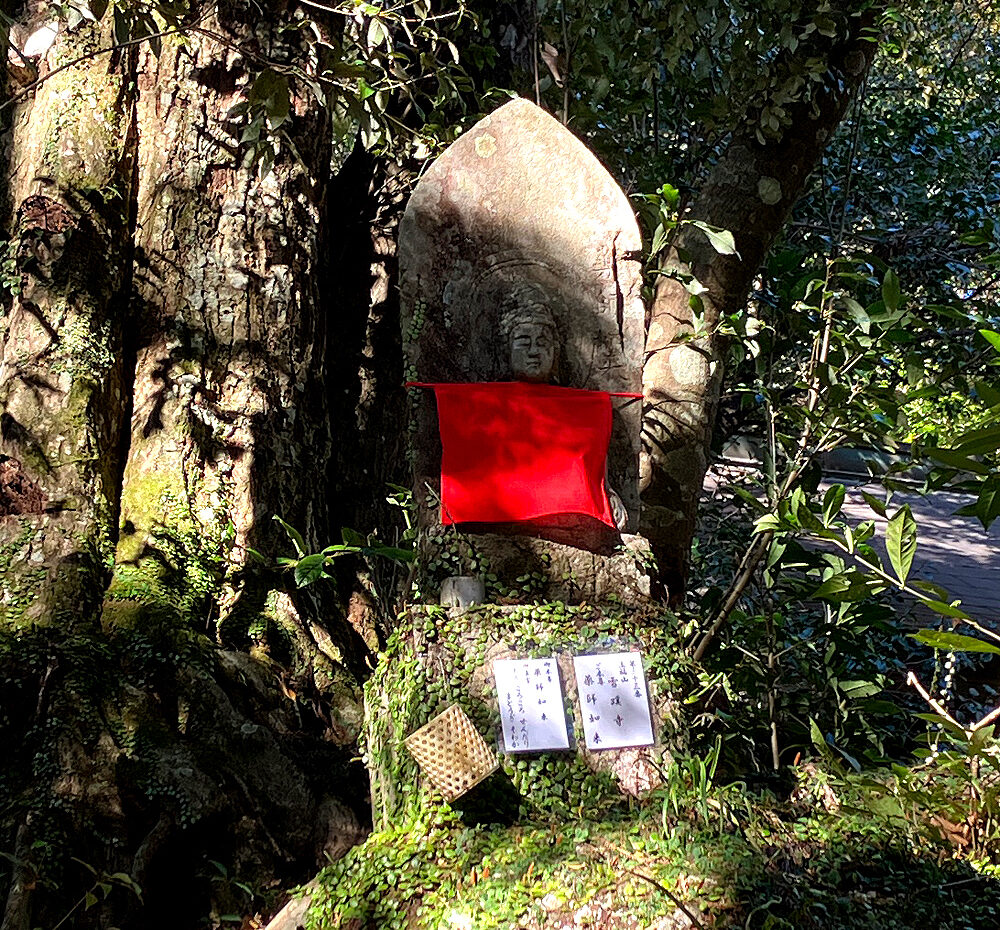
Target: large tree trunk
{"x":166,"y":284}
{"x":62,"y":391}
{"x":749,"y":191}
{"x":230,"y":423}
{"x":62,"y":396}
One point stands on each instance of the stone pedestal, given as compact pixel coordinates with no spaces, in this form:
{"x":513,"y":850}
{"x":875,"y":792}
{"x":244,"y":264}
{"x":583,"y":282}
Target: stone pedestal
{"x":441,"y":657}
{"x":521,"y":568}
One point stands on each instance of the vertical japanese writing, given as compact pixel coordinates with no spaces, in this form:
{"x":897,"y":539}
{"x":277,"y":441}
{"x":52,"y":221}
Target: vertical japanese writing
{"x":530,"y":697}
{"x":613,"y":700}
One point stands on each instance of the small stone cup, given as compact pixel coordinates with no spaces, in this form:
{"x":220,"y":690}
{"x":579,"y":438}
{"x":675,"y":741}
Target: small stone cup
{"x":462,"y":591}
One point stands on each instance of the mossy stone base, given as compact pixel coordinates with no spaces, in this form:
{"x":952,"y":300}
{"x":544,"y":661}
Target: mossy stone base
{"x":523,"y":567}
{"x":440,"y":657}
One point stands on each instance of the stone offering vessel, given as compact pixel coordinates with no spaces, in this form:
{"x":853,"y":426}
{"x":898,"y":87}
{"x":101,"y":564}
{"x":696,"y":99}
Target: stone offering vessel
{"x":519,"y":259}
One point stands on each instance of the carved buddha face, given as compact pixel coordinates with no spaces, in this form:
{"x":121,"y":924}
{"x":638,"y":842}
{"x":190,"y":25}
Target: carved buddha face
{"x":532,"y":338}
{"x":532,"y":352}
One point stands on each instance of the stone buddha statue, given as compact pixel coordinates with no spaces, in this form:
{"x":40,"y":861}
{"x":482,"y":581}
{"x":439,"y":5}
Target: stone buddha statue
{"x":517,"y":262}
{"x":532,"y":337}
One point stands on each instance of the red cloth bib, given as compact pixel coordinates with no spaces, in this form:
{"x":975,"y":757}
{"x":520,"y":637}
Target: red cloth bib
{"x":515,"y":452}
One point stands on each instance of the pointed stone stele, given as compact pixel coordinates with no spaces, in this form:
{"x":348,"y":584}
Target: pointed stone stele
{"x":519,"y":213}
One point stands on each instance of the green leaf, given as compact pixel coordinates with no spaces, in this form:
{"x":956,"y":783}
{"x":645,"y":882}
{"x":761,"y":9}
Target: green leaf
{"x":376,"y":34}
{"x":901,"y":541}
{"x":818,"y":740}
{"x":849,"y":538}
{"x":859,"y":689}
{"x":991,"y":337}
{"x":833,"y":501}
{"x":867,"y":553}
{"x":749,"y":499}
{"x":252,"y":132}
{"x":877,"y":505}
{"x":858,"y":313}
{"x":352,"y":537}
{"x":602,"y":87}
{"x":722,"y":239}
{"x":891,"y":294}
{"x":278,"y":104}
{"x":945,"y":610}
{"x":953,"y":642}
{"x":149,"y":28}
{"x":978,"y":441}
{"x":775,"y":551}
{"x":671,"y":195}
{"x":801,"y":512}
{"x":988,"y":394}
{"x":121,"y":26}
{"x":880,"y":707}
{"x":659,"y":240}
{"x":310,"y":569}
{"x":293,"y":534}
{"x":768,"y":523}
{"x":846,"y":586}
{"x":987,"y":505}
{"x":956,"y":460}
{"x":944,"y":722}
{"x":928,"y":587}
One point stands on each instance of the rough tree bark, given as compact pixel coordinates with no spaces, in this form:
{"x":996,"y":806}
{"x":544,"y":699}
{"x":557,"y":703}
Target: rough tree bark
{"x":62,"y":392}
{"x":230,"y":422}
{"x":164,"y":391}
{"x":62,"y":395}
{"x":750,"y":191}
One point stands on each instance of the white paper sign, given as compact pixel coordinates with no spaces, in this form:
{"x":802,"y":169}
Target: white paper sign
{"x":531,"y":705}
{"x":613,"y":700}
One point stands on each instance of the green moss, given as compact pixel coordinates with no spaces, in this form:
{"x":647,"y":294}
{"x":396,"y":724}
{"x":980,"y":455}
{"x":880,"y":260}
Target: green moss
{"x":20,"y":586}
{"x":84,"y":351}
{"x":142,"y":506}
{"x":85,"y":138}
{"x":733,"y":859}
{"x":166,"y":557}
{"x":436,"y":659}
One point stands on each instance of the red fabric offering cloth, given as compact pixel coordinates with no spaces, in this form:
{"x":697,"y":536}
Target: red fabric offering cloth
{"x":516,"y":452}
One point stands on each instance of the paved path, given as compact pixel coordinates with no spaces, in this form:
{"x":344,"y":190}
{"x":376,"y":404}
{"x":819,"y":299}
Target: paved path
{"x":954,"y":552}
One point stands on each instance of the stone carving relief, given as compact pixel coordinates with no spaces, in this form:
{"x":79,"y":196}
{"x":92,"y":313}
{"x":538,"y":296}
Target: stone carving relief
{"x":520,"y":260}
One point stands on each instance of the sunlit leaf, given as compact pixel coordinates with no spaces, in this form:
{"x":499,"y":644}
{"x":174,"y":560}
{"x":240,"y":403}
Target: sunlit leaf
{"x":722,"y":239}
{"x":993,"y":338}
{"x":954,"y":642}
{"x":833,"y":501}
{"x":945,"y":610}
{"x":957,"y":460}
{"x":901,"y":541}
{"x":310,"y":569}
{"x":293,"y":534}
